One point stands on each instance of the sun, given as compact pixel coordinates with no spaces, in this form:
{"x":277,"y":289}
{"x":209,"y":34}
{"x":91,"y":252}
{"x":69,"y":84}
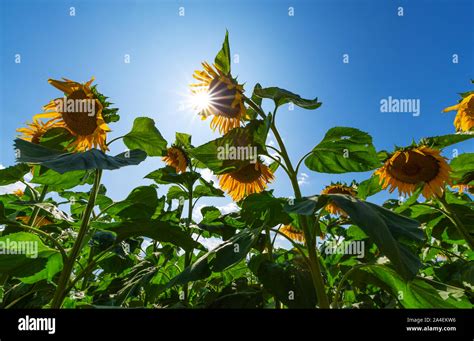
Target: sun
{"x":201,"y":100}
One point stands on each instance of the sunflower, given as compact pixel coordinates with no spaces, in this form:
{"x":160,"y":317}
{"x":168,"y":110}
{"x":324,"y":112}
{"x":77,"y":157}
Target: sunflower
{"x":18,"y":192}
{"x":463,"y":188}
{"x":293,"y":233}
{"x":176,"y":158}
{"x":464,"y":120}
{"x":252,"y":178}
{"x":35,"y":130}
{"x":338,"y":188}
{"x":89,"y":128}
{"x":225,"y":98}
{"x":413,"y":166}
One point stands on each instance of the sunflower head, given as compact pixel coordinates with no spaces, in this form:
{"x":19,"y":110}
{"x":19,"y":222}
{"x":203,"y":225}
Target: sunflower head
{"x":34,"y":131}
{"x":176,"y":158}
{"x":337,"y":188}
{"x":18,"y":192}
{"x":414,"y":166}
{"x":293,"y":233}
{"x":80,"y":112}
{"x":252,"y":178}
{"x":464,"y":120}
{"x":225,"y":100}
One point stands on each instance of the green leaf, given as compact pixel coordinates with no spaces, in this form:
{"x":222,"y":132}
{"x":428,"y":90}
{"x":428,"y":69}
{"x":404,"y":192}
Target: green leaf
{"x":222,"y":257}
{"x":183,"y":140}
{"x":369,"y":187}
{"x":440,"y":142}
{"x":158,"y":230}
{"x":266,"y":208}
{"x":13,"y":174}
{"x":145,"y":136}
{"x":65,"y":162}
{"x":175,"y":192}
{"x":291,"y":285}
{"x":394,"y":234}
{"x":418,"y":293}
{"x":462,"y":168}
{"x":57,"y":181}
{"x":343,"y":150}
{"x":282,"y":96}
{"x":222,"y":59}
{"x":254,"y":134}
{"x":24,"y":255}
{"x":168,"y":175}
{"x":206,"y":189}
{"x":140,"y":204}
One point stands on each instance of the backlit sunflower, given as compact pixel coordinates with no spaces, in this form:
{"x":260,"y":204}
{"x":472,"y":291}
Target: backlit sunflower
{"x":35,"y":130}
{"x":406,"y":169}
{"x":89,"y":128}
{"x":293,"y":233}
{"x":252,"y":178}
{"x":464,"y":120}
{"x":176,"y":158}
{"x":337,"y":188}
{"x":224,"y":101}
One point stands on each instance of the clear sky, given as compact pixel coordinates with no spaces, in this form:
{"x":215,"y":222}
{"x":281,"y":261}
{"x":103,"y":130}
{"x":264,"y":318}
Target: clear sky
{"x":407,"y":57}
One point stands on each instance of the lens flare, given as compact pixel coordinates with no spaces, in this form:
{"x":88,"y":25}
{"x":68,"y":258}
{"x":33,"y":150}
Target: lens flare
{"x":201,"y":100}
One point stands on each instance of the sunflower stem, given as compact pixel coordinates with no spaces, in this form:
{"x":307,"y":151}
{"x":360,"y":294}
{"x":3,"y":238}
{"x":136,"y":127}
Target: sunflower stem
{"x":61,"y":290}
{"x":452,"y":216}
{"x":32,"y":220}
{"x":188,"y":254}
{"x":315,"y":268}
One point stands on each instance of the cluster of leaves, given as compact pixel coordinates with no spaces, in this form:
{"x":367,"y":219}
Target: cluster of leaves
{"x":147,"y":250}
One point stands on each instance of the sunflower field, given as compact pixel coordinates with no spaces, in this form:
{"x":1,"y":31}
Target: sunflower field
{"x":66,"y":244}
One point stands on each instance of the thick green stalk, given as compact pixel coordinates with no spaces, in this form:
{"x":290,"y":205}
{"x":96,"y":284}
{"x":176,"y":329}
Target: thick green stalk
{"x":312,"y":253}
{"x":188,"y":254}
{"x":32,"y":220}
{"x":61,"y":291}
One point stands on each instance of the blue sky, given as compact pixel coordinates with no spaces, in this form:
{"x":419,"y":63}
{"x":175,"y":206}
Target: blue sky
{"x":406,"y":56}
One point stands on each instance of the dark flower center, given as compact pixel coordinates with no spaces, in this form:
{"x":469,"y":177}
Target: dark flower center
{"x":419,"y":168}
{"x":80,"y":122}
{"x":222,"y":98}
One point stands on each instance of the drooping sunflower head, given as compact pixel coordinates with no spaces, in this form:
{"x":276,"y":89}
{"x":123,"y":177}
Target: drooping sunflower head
{"x":224,"y":98}
{"x":80,"y":112}
{"x":412,"y":167}
{"x":293,"y":233}
{"x":176,"y":158}
{"x":338,"y":188}
{"x":35,"y":130}
{"x":252,"y":178}
{"x":464,"y":120}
